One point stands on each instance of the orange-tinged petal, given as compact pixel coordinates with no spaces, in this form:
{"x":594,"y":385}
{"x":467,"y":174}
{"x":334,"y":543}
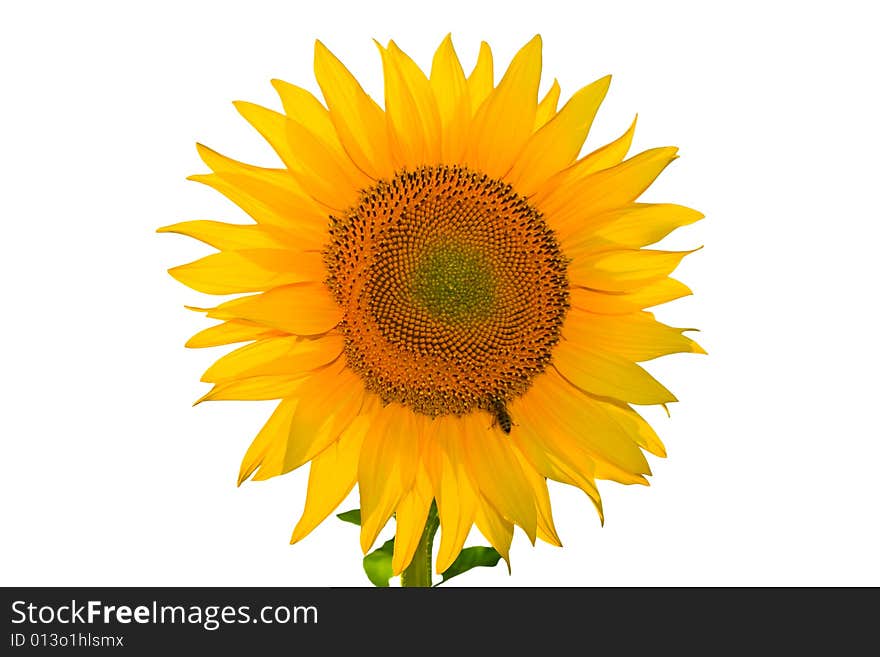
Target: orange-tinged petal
{"x":608,"y":375}
{"x":359,"y":121}
{"x":450,"y":89}
{"x":504,"y":121}
{"x":641,"y":224}
{"x":301,"y":106}
{"x":254,"y":388}
{"x":272,"y":126}
{"x":547,"y":107}
{"x":558,"y":143}
{"x":636,"y":427}
{"x":546,"y":530}
{"x":481,"y":81}
{"x":304,"y":309}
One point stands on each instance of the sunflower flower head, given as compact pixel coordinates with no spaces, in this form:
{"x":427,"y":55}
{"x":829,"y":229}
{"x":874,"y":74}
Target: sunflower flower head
{"x":446,"y":297}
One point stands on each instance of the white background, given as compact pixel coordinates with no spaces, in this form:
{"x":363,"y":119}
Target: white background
{"x":110,"y":477}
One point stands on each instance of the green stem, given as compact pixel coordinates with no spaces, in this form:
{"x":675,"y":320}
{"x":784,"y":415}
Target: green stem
{"x":418,"y":573}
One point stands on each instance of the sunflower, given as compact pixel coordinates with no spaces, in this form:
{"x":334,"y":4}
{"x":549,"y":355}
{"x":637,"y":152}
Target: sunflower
{"x":447,"y":300}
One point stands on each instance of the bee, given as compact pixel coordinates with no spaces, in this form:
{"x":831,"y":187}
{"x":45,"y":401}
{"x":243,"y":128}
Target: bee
{"x":502,"y":417}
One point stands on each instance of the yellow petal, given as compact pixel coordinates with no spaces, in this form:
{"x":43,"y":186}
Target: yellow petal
{"x":546,"y":530}
{"x":481,"y":81}
{"x":615,"y":303}
{"x":456,"y":497}
{"x":637,"y":336}
{"x":568,"y":206}
{"x":605,"y":157}
{"x":234,"y":272}
{"x":635,"y":427}
{"x":276,"y":356}
{"x":497,"y":473}
{"x":633,"y":226}
{"x":275,"y":430}
{"x":624,"y":270}
{"x":547,"y":107}
{"x":504,"y":121}
{"x":332,"y":475}
{"x":272,"y":126}
{"x":254,"y":388}
{"x":497,"y":530}
{"x":359,"y":121}
{"x":328,"y":177}
{"x":558,"y":143}
{"x":387,"y":468}
{"x":608,"y":375}
{"x":226,"y":237}
{"x":582,"y":423}
{"x":450,"y":89}
{"x":304,"y":309}
{"x":301,"y":106}
{"x":230,"y":332}
{"x":329,"y":401}
{"x":411,"y":110}
{"x":411,"y":514}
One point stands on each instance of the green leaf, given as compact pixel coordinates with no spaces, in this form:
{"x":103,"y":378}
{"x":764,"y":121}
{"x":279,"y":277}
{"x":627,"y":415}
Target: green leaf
{"x":353,"y":516}
{"x":377,"y":564}
{"x":471,"y":557}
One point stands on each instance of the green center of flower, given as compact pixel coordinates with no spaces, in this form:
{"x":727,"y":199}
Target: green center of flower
{"x":454,"y":282}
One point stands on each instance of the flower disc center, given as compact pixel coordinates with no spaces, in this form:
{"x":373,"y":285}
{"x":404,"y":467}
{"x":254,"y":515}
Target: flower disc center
{"x":453,"y":288}
{"x":453,"y":283}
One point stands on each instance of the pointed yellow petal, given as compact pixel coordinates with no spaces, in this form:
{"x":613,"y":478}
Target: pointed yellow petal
{"x":329,"y":401}
{"x":230,"y":332}
{"x":637,"y":336}
{"x":547,"y":106}
{"x":558,"y":143}
{"x":411,"y":110}
{"x":272,"y":126}
{"x":234,"y":272}
{"x":332,"y":475}
{"x":636,"y":427}
{"x":624,"y":270}
{"x":456,"y":497}
{"x":481,"y":81}
{"x":505,"y":120}
{"x":569,"y":206}
{"x":275,"y":430}
{"x":276,"y":356}
{"x":387,"y":468}
{"x":497,"y":473}
{"x":359,"y":121}
{"x":608,"y":375}
{"x":497,"y":530}
{"x":546,"y":530}
{"x":411,"y":514}
{"x":304,"y":309}
{"x":633,"y":226}
{"x":586,"y":425}
{"x":254,"y":388}
{"x":453,"y":102}
{"x":226,"y":237}
{"x":301,"y":106}
{"x":613,"y":303}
